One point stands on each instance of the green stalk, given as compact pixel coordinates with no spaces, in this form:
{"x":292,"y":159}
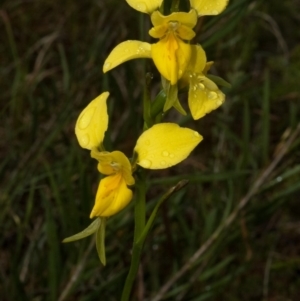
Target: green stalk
{"x":175,"y":6}
{"x":139,"y":222}
{"x":140,"y":233}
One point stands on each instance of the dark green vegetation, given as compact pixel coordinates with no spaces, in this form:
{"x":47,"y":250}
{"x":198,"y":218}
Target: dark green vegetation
{"x":52,"y":54}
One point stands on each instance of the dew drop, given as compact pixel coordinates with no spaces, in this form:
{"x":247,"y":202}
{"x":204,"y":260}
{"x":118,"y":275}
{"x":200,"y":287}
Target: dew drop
{"x":195,"y":88}
{"x":162,"y":163}
{"x":201,"y":86}
{"x":179,"y":72}
{"x":212,"y":95}
{"x":196,"y":134}
{"x":172,"y":155}
{"x":165,"y":153}
{"x":86,"y":119}
{"x":219,"y":102}
{"x":84,"y":140}
{"x":214,"y":12}
{"x":145,"y":163}
{"x":107,"y":65}
{"x":126,"y":50}
{"x":141,"y":6}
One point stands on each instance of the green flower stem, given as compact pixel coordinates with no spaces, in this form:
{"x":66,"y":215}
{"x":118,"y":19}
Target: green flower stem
{"x":141,"y":233}
{"x":140,"y":208}
{"x":139,"y":224}
{"x":175,"y":6}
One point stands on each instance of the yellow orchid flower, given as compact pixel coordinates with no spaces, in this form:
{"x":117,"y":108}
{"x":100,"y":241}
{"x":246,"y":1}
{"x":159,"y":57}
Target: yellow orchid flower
{"x":161,"y":146}
{"x":171,"y":54}
{"x":208,"y":7}
{"x":112,"y":194}
{"x":204,"y":95}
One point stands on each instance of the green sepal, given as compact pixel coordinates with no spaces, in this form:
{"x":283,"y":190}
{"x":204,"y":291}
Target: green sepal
{"x":158,"y":104}
{"x":172,"y":96}
{"x":91,"y":229}
{"x":100,"y":241}
{"x":179,"y":108}
{"x":147,"y":102}
{"x":219,"y":80}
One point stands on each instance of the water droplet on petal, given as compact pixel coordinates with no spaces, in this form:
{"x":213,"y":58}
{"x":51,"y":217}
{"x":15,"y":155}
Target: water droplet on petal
{"x":126,"y":50}
{"x":84,"y":140}
{"x":141,"y":6}
{"x":172,"y":155}
{"x":162,"y":163}
{"x":212,"y":95}
{"x":179,"y":72}
{"x":147,"y":142}
{"x":214,"y":12}
{"x":107,"y":65}
{"x":196,"y":134}
{"x":165,"y":153}
{"x":86,"y":119}
{"x":201,"y":86}
{"x":145,"y":163}
{"x":219,"y":102}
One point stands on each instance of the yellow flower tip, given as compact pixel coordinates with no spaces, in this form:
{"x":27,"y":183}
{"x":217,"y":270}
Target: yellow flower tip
{"x":112,"y":196}
{"x":208,"y":7}
{"x":145,"y":6}
{"x":92,"y":123}
{"x":126,"y":51}
{"x":165,"y":145}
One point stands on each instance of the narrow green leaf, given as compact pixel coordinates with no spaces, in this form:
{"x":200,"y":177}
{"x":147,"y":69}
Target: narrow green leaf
{"x":219,"y":80}
{"x":92,"y":228}
{"x":100,"y":241}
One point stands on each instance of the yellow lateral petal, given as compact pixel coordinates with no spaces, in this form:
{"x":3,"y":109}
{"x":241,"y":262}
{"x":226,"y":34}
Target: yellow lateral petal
{"x":145,"y":6}
{"x":209,"y":7}
{"x":165,"y":145}
{"x":126,"y":51}
{"x":198,"y":59}
{"x":92,"y":123}
{"x":188,"y":19}
{"x":112,"y":196}
{"x":196,"y":64}
{"x":204,"y":96}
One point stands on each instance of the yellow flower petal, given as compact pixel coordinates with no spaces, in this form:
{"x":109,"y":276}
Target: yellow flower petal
{"x":165,"y":145}
{"x":171,"y":57}
{"x":188,"y":19}
{"x":196,"y":64}
{"x":112,"y":196}
{"x":92,"y":123}
{"x":126,"y":51}
{"x":112,"y":163}
{"x":208,"y":7}
{"x":145,"y":6}
{"x":204,"y":95}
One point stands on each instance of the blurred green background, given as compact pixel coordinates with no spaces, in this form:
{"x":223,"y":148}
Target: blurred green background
{"x":51,"y":57}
